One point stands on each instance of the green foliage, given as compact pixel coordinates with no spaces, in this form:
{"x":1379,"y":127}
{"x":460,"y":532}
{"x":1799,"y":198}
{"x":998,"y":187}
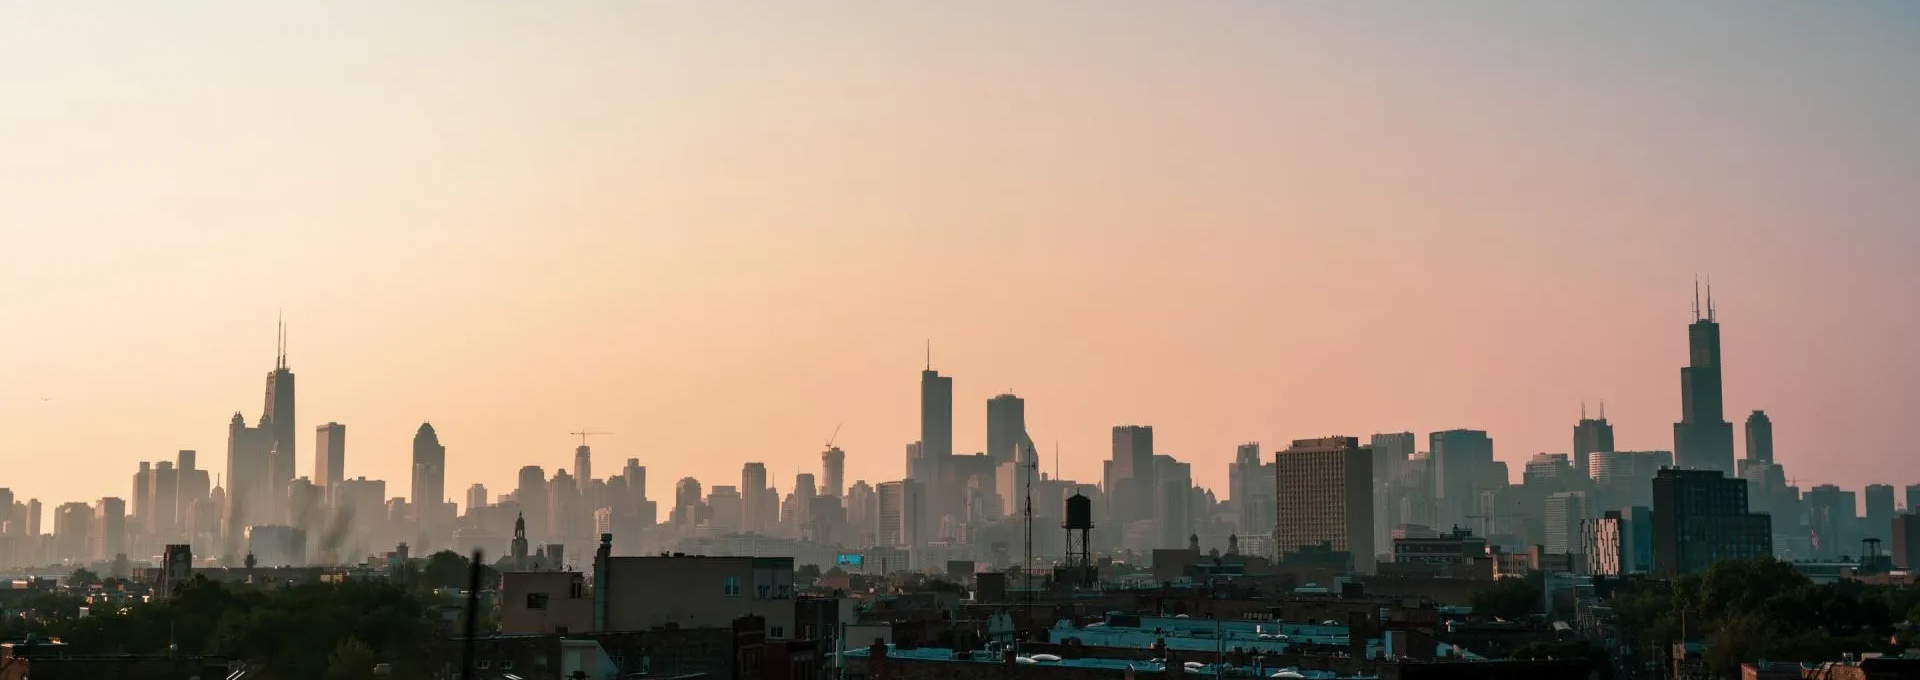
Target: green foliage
{"x":1508,"y":598}
{"x":83,"y":578}
{"x":296,"y":630}
{"x":1762,"y":609}
{"x":444,"y":569}
{"x":352,"y":660}
{"x":806,"y":574}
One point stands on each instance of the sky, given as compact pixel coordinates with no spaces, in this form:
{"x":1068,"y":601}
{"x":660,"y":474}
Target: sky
{"x":723,"y":230}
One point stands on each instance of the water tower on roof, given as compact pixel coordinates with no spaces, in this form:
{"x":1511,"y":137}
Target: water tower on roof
{"x":1078,"y":521}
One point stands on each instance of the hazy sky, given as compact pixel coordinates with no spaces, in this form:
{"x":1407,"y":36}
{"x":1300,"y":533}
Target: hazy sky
{"x":718,"y":229}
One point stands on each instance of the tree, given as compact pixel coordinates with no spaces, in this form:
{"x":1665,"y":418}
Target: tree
{"x":806,"y":573}
{"x":351,"y":660}
{"x":1507,"y":598}
{"x":1737,"y":639}
{"x":83,"y":578}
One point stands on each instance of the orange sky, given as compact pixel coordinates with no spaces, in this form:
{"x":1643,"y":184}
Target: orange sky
{"x":720,"y":229}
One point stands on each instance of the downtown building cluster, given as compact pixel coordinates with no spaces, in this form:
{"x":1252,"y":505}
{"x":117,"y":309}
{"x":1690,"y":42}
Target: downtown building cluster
{"x":1598,"y":507}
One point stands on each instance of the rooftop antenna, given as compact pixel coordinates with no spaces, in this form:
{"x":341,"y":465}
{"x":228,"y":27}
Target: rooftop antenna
{"x":1710,"y":314}
{"x":1696,"y":298}
{"x":1056,"y":460}
{"x":1583,"y":409}
{"x":1603,"y":409}
{"x":929,"y":354}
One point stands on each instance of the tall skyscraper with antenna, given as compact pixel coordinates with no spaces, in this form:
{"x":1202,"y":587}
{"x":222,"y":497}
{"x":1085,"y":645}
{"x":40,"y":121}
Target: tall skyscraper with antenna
{"x":1703,"y":439}
{"x":278,"y":421}
{"x":1590,"y":436}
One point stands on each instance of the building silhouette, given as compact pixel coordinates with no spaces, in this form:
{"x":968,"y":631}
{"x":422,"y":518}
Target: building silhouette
{"x":936,"y":417}
{"x":1759,"y":437}
{"x":1701,"y":517}
{"x":1324,"y":491}
{"x":1006,"y":428}
{"x":1703,"y":439}
{"x":1129,"y":475}
{"x":1590,"y":435}
{"x":833,"y":472}
{"x":277,"y":418}
{"x":329,"y":456}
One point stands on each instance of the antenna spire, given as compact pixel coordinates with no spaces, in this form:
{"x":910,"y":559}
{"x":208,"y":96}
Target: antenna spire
{"x":1696,"y":298}
{"x":1710,"y":314}
{"x":929,"y":354}
{"x":1583,"y":409}
{"x":280,"y":340}
{"x":1603,"y":409}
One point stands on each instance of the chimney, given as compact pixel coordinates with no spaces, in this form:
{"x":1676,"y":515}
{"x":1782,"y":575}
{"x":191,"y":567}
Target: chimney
{"x":877,"y":660}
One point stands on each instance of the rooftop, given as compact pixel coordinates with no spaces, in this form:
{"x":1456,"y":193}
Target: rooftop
{"x":942,"y":654}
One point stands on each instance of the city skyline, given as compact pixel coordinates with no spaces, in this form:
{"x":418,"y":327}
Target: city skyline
{"x":942,"y":391}
{"x":710,"y":290}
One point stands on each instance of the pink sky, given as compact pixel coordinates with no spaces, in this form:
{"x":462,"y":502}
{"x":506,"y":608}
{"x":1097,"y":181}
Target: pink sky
{"x":720,"y":229}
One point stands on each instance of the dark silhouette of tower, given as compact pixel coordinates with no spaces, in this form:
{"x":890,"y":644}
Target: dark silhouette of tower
{"x":429,"y":472}
{"x":1703,"y":439}
{"x":517,"y":551}
{"x":278,"y":420}
{"x":936,"y":415}
{"x":1006,"y":427}
{"x":1590,"y":436}
{"x":1759,"y":437}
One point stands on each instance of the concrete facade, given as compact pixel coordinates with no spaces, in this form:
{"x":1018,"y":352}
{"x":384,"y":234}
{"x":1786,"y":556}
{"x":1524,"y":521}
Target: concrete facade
{"x":544,"y":602}
{"x":642,"y":593}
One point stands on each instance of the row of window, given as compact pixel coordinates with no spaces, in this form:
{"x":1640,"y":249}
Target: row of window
{"x":732,"y":589}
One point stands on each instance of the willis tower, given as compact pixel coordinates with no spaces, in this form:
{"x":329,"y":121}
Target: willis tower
{"x":1703,"y":439}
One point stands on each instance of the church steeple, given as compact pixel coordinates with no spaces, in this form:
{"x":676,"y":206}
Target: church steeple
{"x":518,"y":550}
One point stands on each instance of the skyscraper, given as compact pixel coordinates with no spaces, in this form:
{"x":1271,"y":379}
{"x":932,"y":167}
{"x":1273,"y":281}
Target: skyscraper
{"x":1130,"y":483}
{"x":163,"y":502}
{"x":1324,"y":490}
{"x":833,"y":471}
{"x":109,"y":528}
{"x":1701,"y":517}
{"x":1006,"y":427}
{"x":902,"y":510}
{"x":248,"y":491}
{"x":429,"y":469}
{"x":936,"y":416}
{"x":1703,"y":439}
{"x":531,"y":493}
{"x":1461,"y":466}
{"x":582,"y":463}
{"x":1590,"y":435}
{"x":1391,"y":452}
{"x":1879,"y":518}
{"x":1759,"y":437}
{"x":329,"y":456}
{"x":278,"y":420}
{"x":1250,"y":485}
{"x":142,"y":493}
{"x":476,"y":497}
{"x":753,"y":499}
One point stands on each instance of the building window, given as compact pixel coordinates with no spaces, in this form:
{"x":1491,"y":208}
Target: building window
{"x":778,"y":632}
{"x":536,"y":600}
{"x":732,"y":588}
{"x":483,"y":664}
{"x":506,"y":665}
{"x":579,"y":590}
{"x":763,"y":591}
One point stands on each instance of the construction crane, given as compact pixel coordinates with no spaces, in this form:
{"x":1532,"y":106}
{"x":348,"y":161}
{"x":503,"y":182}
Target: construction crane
{"x":583,"y":434}
{"x":836,"y":434}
